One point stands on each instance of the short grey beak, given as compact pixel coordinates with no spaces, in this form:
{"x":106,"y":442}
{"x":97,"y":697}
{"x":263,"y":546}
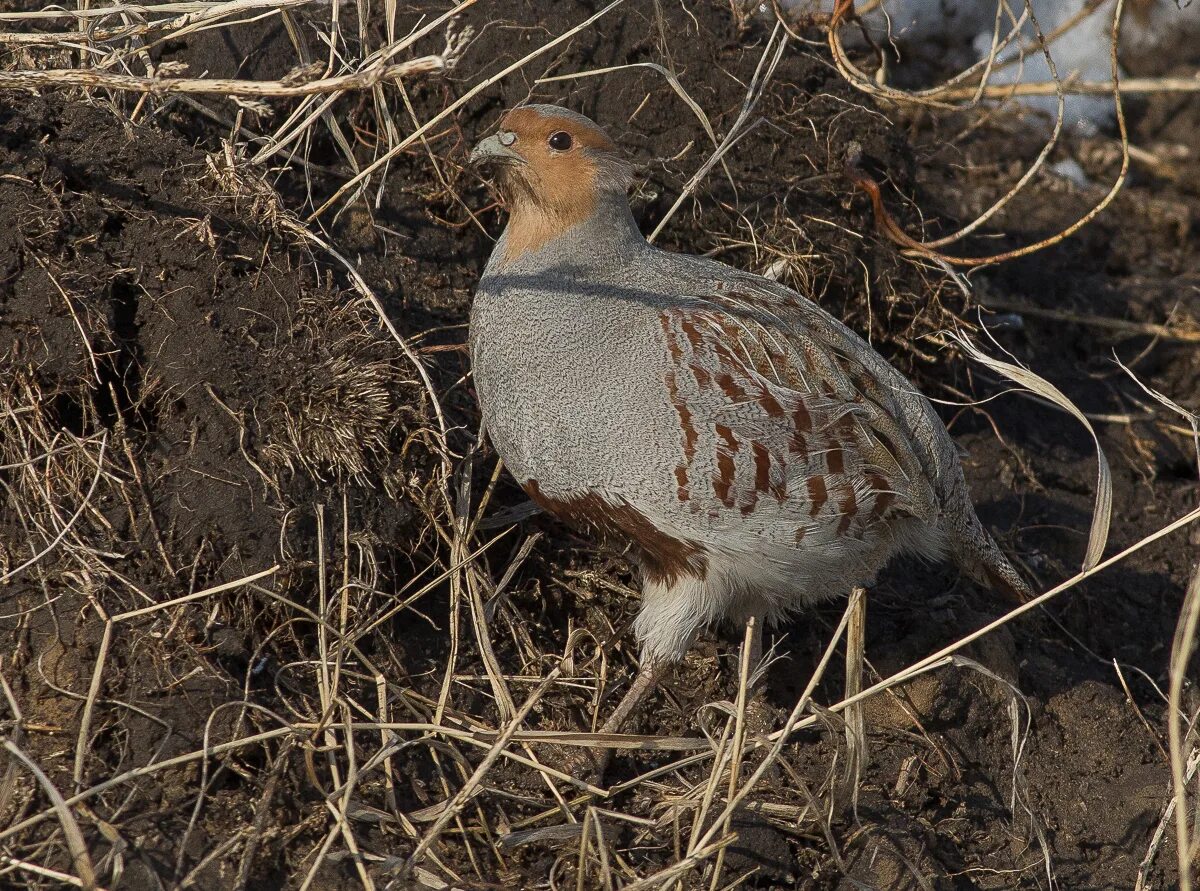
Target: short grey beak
{"x":492,"y":149}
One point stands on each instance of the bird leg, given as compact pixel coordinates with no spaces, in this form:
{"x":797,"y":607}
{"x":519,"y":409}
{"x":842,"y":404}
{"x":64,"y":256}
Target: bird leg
{"x":650,"y":672}
{"x":646,"y":680}
{"x":590,"y":764}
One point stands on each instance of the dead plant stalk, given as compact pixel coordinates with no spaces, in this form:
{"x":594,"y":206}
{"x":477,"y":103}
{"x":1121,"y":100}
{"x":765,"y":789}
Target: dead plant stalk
{"x":89,"y":78}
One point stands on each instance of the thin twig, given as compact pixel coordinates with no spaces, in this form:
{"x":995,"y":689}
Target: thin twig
{"x":91,"y":78}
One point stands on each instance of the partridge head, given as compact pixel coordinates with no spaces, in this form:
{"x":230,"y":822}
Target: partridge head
{"x":752,"y":452}
{"x":553,"y":167}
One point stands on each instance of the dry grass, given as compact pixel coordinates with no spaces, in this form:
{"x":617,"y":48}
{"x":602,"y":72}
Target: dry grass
{"x":357,"y":725}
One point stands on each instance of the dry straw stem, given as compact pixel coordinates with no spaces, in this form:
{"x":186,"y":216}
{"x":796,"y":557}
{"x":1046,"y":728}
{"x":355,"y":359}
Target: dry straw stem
{"x":737,"y":750}
{"x":1132,"y":85}
{"x":90,"y":78}
{"x":189,"y":17}
{"x":857,"y":754}
{"x":190,"y":7}
{"x":1192,"y":418}
{"x":197,"y":595}
{"x":844,"y":10}
{"x":79,"y":852}
{"x":1173,"y":334}
{"x":1102,"y":513}
{"x":628,"y":741}
{"x":1181,"y":652}
{"x":44,"y":871}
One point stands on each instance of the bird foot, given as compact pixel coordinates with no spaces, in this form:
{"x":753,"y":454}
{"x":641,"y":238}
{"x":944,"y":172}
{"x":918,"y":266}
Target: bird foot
{"x":761,"y":717}
{"x":583,"y":764}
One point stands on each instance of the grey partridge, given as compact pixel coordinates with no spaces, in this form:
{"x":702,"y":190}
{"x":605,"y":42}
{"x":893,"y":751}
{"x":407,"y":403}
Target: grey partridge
{"x":755,"y":453}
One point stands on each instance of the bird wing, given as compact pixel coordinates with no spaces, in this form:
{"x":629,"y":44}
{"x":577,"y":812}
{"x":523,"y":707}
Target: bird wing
{"x":781,"y":426}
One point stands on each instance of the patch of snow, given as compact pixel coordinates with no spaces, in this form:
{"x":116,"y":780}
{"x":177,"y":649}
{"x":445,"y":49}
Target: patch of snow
{"x":961,"y":32}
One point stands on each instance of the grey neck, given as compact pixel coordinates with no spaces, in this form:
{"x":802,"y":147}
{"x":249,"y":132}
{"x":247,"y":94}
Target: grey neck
{"x":613,"y":221}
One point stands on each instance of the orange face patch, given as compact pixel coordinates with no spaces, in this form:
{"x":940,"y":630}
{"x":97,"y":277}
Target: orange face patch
{"x":534,"y":127}
{"x":555,"y":188}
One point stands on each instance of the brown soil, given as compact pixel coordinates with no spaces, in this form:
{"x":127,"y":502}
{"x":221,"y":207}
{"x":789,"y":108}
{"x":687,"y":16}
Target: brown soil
{"x":252,"y":407}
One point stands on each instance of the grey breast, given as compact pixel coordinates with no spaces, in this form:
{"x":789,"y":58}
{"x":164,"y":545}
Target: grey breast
{"x":569,"y":375}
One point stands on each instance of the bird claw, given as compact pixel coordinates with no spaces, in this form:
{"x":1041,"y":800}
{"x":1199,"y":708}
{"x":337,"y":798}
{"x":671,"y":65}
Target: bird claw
{"x":583,"y":764}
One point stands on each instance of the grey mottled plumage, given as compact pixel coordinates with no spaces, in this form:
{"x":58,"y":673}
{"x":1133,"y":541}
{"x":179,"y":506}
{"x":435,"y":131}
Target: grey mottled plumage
{"x":755,"y":452}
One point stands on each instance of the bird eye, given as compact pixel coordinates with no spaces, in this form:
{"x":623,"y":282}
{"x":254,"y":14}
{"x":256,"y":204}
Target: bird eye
{"x":560,"y":141}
